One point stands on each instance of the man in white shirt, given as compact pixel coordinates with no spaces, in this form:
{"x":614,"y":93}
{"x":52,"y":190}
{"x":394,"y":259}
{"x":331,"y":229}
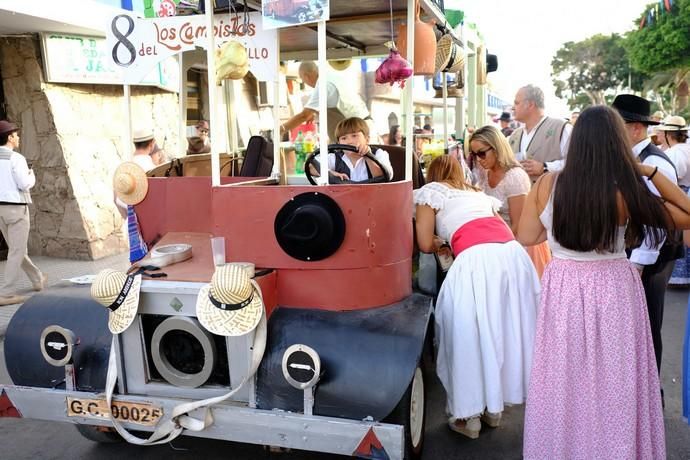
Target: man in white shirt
{"x":344,"y":103}
{"x":144,"y":144}
{"x":654,"y":263}
{"x":16,"y":179}
{"x":542,"y":144}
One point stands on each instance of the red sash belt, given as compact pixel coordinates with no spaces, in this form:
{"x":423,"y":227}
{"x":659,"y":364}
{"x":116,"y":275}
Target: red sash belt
{"x":480,"y":231}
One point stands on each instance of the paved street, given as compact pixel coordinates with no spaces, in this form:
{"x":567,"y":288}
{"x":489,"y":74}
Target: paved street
{"x":30,"y":439}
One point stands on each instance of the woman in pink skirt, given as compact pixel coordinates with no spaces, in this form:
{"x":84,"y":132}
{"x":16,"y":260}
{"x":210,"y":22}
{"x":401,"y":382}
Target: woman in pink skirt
{"x":594,"y":387}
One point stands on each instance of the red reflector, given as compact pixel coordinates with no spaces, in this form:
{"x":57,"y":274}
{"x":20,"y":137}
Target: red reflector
{"x":370,"y":447}
{"x":6,"y":407}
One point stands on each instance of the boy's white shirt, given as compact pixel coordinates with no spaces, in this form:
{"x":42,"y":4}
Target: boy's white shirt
{"x":358,"y":171}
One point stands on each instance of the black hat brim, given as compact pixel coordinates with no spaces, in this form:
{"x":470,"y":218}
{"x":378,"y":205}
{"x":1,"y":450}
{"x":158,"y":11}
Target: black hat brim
{"x":310,"y":227}
{"x":636,"y":118}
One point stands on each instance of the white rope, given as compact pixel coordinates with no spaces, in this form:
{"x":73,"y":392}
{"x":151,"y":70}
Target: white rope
{"x":180,"y":419}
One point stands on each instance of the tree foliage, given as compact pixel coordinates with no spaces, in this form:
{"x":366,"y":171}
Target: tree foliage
{"x":584,"y":71}
{"x":663,"y":44}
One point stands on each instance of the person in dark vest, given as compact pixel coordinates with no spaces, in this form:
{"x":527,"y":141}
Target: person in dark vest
{"x":655,"y":263}
{"x":355,"y":166}
{"x":542,"y":143}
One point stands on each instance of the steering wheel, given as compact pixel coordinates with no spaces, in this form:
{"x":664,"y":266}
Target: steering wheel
{"x":335,"y":180}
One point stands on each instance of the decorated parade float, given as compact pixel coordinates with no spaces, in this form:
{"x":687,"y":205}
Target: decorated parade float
{"x":301,"y":331}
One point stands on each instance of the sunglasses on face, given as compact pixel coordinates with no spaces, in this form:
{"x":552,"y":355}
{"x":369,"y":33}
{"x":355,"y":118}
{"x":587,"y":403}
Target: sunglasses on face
{"x":480,"y":154}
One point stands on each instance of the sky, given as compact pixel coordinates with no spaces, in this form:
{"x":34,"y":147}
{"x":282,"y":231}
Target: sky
{"x":525,"y":35}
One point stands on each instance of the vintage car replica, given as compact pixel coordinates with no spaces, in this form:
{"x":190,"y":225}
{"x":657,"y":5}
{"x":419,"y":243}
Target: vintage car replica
{"x":337,"y":361}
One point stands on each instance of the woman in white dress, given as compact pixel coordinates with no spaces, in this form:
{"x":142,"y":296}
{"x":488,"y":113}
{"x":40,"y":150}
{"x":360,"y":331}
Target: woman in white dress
{"x":486,"y":308}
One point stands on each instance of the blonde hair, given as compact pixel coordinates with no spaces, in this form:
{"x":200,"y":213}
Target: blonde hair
{"x":351,"y":125}
{"x":491,"y":136}
{"x":446,"y":168}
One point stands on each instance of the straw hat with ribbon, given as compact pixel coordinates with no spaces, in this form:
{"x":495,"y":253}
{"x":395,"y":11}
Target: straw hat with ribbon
{"x":231,"y":305}
{"x":130,"y":183}
{"x":120,"y":294}
{"x":673,"y":123}
{"x":449,"y":55}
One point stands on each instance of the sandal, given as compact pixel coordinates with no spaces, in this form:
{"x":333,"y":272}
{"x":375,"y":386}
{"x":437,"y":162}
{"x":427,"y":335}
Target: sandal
{"x":492,"y":419}
{"x":469,"y":427}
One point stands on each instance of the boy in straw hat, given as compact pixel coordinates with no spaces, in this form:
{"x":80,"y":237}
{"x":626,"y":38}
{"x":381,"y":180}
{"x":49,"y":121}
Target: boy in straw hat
{"x":16,"y":179}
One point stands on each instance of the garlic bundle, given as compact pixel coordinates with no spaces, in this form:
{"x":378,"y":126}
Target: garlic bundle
{"x":232,"y":61}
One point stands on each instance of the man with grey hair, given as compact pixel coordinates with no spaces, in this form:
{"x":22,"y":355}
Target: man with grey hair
{"x":542,"y":143}
{"x":340,"y":103}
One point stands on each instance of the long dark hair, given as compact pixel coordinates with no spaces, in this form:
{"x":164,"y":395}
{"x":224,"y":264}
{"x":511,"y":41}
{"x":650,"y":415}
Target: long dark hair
{"x":600,"y":164}
{"x":391,"y":134}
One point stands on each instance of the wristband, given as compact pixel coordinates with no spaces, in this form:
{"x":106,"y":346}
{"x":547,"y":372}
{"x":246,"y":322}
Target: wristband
{"x":656,"y":168}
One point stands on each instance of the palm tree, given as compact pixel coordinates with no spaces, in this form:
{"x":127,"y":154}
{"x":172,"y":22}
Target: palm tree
{"x":670,"y":89}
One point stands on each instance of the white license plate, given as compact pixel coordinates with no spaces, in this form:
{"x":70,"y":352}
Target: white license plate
{"x":139,"y":413}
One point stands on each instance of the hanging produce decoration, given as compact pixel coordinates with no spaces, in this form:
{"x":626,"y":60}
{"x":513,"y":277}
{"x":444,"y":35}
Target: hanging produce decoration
{"x":232,"y":60}
{"x":394,"y":69}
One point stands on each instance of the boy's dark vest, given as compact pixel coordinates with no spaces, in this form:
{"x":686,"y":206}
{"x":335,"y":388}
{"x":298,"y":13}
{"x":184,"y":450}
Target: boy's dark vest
{"x":672,"y":248}
{"x":343,"y":168}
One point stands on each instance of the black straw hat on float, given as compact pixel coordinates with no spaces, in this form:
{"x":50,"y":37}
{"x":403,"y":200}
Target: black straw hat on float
{"x":231,"y":305}
{"x":634,"y":109}
{"x":120,"y":294}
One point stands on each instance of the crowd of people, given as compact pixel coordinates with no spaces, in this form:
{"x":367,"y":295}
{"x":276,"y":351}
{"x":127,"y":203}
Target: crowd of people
{"x":555,"y":298}
{"x":556,"y":295}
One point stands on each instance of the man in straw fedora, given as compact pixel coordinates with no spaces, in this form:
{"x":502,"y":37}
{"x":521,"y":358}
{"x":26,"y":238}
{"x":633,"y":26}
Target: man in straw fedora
{"x":674,"y":132}
{"x":542,"y":143}
{"x":654,"y":263}
{"x":144,"y":146}
{"x":16,"y":179}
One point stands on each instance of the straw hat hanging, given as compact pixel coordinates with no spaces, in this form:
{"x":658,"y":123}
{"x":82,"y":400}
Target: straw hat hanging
{"x":449,"y":55}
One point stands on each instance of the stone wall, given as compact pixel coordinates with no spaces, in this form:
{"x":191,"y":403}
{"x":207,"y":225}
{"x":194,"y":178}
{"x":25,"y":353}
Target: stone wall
{"x":74,"y":135}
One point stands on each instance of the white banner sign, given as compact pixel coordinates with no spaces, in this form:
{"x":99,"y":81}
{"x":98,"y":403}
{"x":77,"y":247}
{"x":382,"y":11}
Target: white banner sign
{"x":82,"y":59}
{"x":138,"y":44}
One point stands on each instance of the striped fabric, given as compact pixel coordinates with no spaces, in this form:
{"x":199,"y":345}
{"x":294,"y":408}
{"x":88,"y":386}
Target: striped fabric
{"x":137,"y":245}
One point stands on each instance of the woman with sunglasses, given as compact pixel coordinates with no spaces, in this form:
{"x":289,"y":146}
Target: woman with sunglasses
{"x":486,"y":308}
{"x":500,"y":175}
